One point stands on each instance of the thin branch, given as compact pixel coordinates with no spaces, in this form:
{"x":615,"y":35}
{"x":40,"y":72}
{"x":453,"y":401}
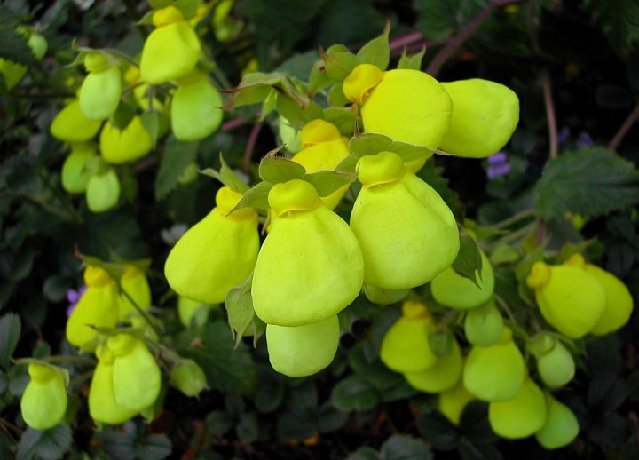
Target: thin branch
{"x":230,"y":125}
{"x":624,"y":128}
{"x":250,"y":145}
{"x":550,"y":114}
{"x":456,"y":41}
{"x":142,"y":313}
{"x":398,"y":43}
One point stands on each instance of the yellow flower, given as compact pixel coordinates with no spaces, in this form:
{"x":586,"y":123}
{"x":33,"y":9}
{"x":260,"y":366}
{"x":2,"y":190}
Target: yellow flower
{"x":441,"y":376}
{"x":310,"y":266}
{"x":216,"y":254}
{"x":561,"y":428}
{"x":451,"y":402}
{"x":485,"y":115}
{"x":103,"y":191}
{"x":44,"y":401}
{"x":75,"y":174}
{"x":135,"y":284}
{"x":101,"y":89}
{"x":188,"y":377}
{"x":521,"y":416}
{"x":407,"y":233}
{"x":98,"y":306}
{"x":125,"y":146}
{"x":196,"y":108}
{"x":71,"y":125}
{"x":172,"y":50}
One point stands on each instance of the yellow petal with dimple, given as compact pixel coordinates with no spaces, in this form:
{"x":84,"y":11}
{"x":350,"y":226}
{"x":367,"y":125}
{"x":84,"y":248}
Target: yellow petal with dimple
{"x":318,"y":131}
{"x":405,"y":346}
{"x":196,"y":108}
{"x":127,"y":145}
{"x":408,"y":106}
{"x":444,"y":374}
{"x":485,"y":115}
{"x":70,"y":124}
{"x":43,"y":403}
{"x":361,"y":81}
{"x":100,"y":94}
{"x":521,"y":416}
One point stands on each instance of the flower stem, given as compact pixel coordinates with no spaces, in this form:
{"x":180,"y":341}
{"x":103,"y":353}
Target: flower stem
{"x":624,"y":128}
{"x":550,"y":114}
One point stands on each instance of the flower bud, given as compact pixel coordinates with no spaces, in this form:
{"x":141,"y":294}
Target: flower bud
{"x":196,"y":108}
{"x":103,"y":191}
{"x":324,"y":268}
{"x":188,"y":377}
{"x":456,"y":291}
{"x":125,"y":146}
{"x":555,"y":363}
{"x":75,"y":174}
{"x":44,"y":401}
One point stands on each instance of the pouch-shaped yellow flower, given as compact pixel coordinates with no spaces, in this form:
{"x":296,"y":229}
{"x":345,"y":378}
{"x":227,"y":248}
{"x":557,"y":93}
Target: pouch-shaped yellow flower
{"x":172,"y":50}
{"x":192,"y":313}
{"x":196,"y":108}
{"x":125,"y":146}
{"x":521,"y":416}
{"x":407,"y":233}
{"x":137,"y":379}
{"x":217,"y":253}
{"x":44,"y":401}
{"x":100,"y":93}
{"x":310,"y":266}
{"x":406,"y":347}
{"x":496,"y":372}
{"x":561,"y":428}
{"x":406,"y":105}
{"x":570,"y":299}
{"x":485,"y":115}
{"x":301,"y":351}
{"x":555,"y":364}
{"x":71,"y":125}
{"x":483,"y":325}
{"x":103,"y":191}
{"x":135,"y":284}
{"x":103,"y":407}
{"x":324,"y":148}
{"x":75,"y":174}
{"x":441,"y":376}
{"x":98,"y":306}
{"x":453,"y":290}
{"x":619,"y":303}
{"x":451,"y":402}
{"x":384,"y":296}
{"x":188,"y":377}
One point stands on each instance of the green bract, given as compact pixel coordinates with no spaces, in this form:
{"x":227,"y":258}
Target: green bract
{"x":407,"y":233}
{"x":44,"y":401}
{"x":310,"y":266}
{"x":216,"y":254}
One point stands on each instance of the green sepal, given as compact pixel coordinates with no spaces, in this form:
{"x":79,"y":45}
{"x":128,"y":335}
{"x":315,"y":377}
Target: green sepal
{"x":376,"y":51}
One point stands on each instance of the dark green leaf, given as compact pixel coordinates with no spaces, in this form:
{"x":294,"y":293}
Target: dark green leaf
{"x":177,"y":156}
{"x":227,"y":176}
{"x":247,"y":429}
{"x":9,"y":336}
{"x":376,"y":51}
{"x":255,"y":197}
{"x":439,"y":19}
{"x":13,"y":46}
{"x":296,"y":425}
{"x":188,"y":8}
{"x":270,"y":391}
{"x":227,"y":368}
{"x":619,"y":21}
{"x":327,"y":182}
{"x":218,"y":422}
{"x":330,"y":419}
{"x":364,"y":453}
{"x":45,"y":445}
{"x":468,"y":262}
{"x":340,"y":64}
{"x":354,"y":393}
{"x":299,"y":65}
{"x":590,"y":182}
{"x":239,"y":309}
{"x":470,"y":451}
{"x":276,"y":170}
{"x":117,"y":444}
{"x":369,"y":144}
{"x":22,"y":264}
{"x":154,"y":123}
{"x":437,"y":430}
{"x":404,"y":447}
{"x":154,"y":447}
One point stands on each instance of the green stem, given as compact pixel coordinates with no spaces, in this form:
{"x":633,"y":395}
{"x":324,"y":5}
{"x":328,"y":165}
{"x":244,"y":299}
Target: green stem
{"x":141,"y":311}
{"x":513,"y":219}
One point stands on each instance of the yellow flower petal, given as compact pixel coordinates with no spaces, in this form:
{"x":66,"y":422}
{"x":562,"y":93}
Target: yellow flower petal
{"x":196,"y":108}
{"x":521,"y":416}
{"x":70,"y":124}
{"x":100,"y":94}
{"x":43,"y":403}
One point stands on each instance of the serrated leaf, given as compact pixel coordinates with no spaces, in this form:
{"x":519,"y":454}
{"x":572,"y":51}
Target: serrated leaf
{"x":255,"y":197}
{"x":339,"y":64}
{"x":154,"y":123}
{"x":354,"y":393}
{"x":239,"y":309}
{"x":9,"y":336}
{"x":327,"y":182}
{"x":409,"y":152}
{"x":376,"y":51}
{"x":336,"y":96}
{"x":45,"y":445}
{"x":227,"y":176}
{"x":468,"y":262}
{"x":13,"y":46}
{"x":252,"y":94}
{"x":342,"y":117}
{"x":414,"y":61}
{"x":228,"y":368}
{"x":276,"y":170}
{"x":369,"y":144}
{"x":154,"y":447}
{"x":405,"y":447}
{"x":590,"y":182}
{"x":218,"y":422}
{"x":177,"y":156}
{"x":437,"y":430}
{"x":289,"y":108}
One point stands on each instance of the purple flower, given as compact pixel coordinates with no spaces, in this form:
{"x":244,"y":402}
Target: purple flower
{"x":497,"y":165}
{"x":584,"y":140}
{"x":73,"y":297}
{"x":563,"y":135}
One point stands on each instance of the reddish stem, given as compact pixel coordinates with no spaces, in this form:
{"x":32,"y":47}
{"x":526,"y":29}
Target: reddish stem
{"x":624,"y":128}
{"x":250,"y":145}
{"x":550,"y":114}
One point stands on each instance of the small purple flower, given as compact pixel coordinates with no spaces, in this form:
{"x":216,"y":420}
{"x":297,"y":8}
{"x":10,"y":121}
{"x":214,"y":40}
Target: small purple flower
{"x":584,"y":140}
{"x":497,"y":165}
{"x":73,"y":297}
{"x":563,"y":135}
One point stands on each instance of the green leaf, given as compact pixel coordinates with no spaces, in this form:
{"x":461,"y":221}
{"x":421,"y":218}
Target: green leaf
{"x":376,"y":51}
{"x":369,"y":144}
{"x":188,"y":8}
{"x":404,"y":447}
{"x":154,"y":123}
{"x":239,"y":309}
{"x":336,"y":96}
{"x":22,"y":264}
{"x":13,"y":46}
{"x":227,"y":176}
{"x":327,"y":182}
{"x":45,"y":445}
{"x":154,"y":447}
{"x":348,"y":164}
{"x":437,"y":430}
{"x":270,"y":391}
{"x":471,"y":451}
{"x":414,"y":61}
{"x":177,"y":156}
{"x":228,"y":369}
{"x":468,"y":262}
{"x":590,"y":182}
{"x":218,"y":422}
{"x":342,"y":117}
{"x":295,"y":424}
{"x":439,"y":19}
{"x":441,"y":342}
{"x":339,"y":64}
{"x":354,"y":393}
{"x":619,"y":21}
{"x":276,"y":170}
{"x":364,"y":453}
{"x":255,"y":197}
{"x":9,"y":336}
{"x":300,"y":65}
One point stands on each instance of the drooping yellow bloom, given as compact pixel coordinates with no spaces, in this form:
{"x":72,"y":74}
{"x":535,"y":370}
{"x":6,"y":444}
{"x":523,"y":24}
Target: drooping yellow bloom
{"x":381,"y":296}
{"x":71,"y":125}
{"x":196,"y":108}
{"x":75,"y":174}
{"x":103,"y":191}
{"x":441,"y":376}
{"x":484,"y":325}
{"x":188,"y":377}
{"x":172,"y":50}
{"x":98,"y":306}
{"x":519,"y":417}
{"x":103,"y":407}
{"x":453,"y":290}
{"x":323,"y":149}
{"x":44,"y":401}
{"x":125,"y":146}
{"x":451,"y":402}
{"x":407,"y":233}
{"x":192,"y":312}
{"x":310,"y":266}
{"x":302,"y":350}
{"x":561,"y":428}
{"x":137,"y":379}
{"x":619,"y":303}
{"x":570,"y":298}
{"x":405,"y":347}
{"x":485,"y":115}
{"x":101,"y":89}
{"x":217,"y":253}
{"x":135,"y":284}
